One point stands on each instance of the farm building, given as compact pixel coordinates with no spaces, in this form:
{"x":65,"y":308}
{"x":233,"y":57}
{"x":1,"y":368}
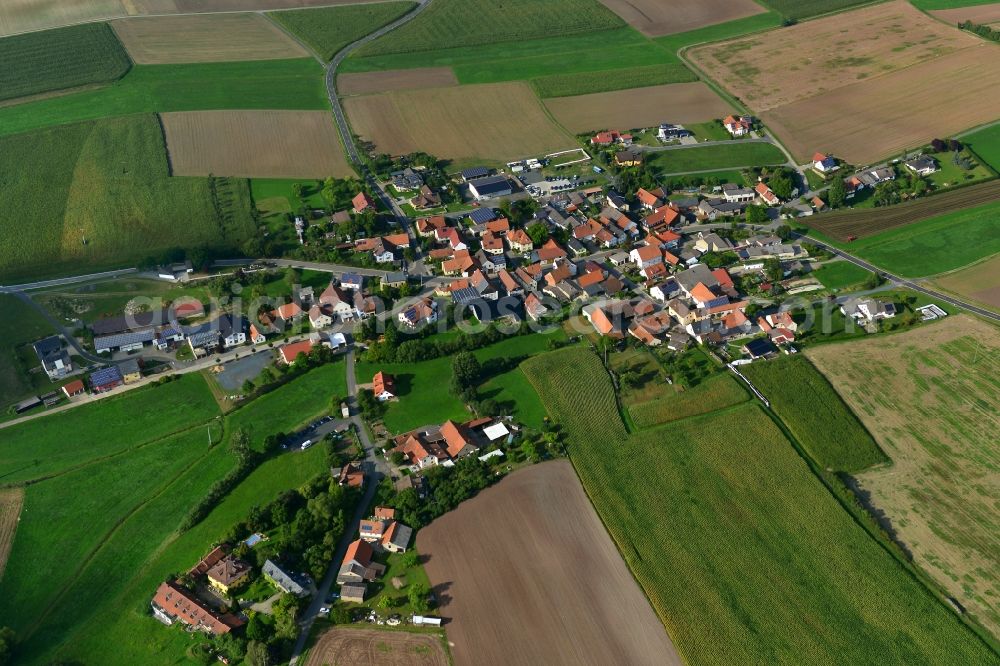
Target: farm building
{"x":125,"y":342}
{"x":74,"y":388}
{"x":353,"y":592}
{"x":490,"y":187}
{"x":474,"y":173}
{"x":105,"y":379}
{"x":288,"y":353}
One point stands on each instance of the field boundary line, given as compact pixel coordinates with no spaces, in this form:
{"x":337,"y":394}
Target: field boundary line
{"x":103,"y":542}
{"x":975,"y":263}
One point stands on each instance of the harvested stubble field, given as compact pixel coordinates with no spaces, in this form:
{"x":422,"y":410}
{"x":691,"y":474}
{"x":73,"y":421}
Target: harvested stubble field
{"x":494,"y":122}
{"x":364,"y":83}
{"x":638,"y":107}
{"x":18,"y":16}
{"x":11,"y":501}
{"x":205,"y":38}
{"x":373,"y":647}
{"x":877,"y":80}
{"x":656,"y":18}
{"x":548,"y":612}
{"x":841,"y":225}
{"x":930,"y":398}
{"x":59,"y":59}
{"x":979,"y":282}
{"x":755,"y":553}
{"x":981,"y":14}
{"x":265,"y":144}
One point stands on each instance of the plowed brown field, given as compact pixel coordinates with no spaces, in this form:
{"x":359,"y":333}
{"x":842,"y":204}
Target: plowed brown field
{"x":526,"y":574}
{"x":395,"y":79}
{"x":656,"y":18}
{"x":860,"y":223}
{"x":638,"y":107}
{"x":372,"y":647}
{"x":261,"y":144}
{"x":494,"y":122}
{"x":11,"y":501}
{"x":205,"y":38}
{"x":863,"y":84}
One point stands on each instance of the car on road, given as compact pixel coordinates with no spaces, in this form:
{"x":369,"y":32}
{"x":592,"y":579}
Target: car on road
{"x":324,"y":610}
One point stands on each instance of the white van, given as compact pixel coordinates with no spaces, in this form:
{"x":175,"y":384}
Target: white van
{"x":306,"y":444}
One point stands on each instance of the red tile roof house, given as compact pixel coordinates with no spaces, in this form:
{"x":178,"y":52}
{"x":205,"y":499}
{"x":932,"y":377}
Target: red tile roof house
{"x":396,"y":538}
{"x":289,"y":353}
{"x":648,"y":200}
{"x":172,"y":603}
{"x":351,"y":475}
{"x":383,"y":386}
{"x":736,"y":126}
{"x":608,"y":138}
{"x":766,"y":195}
{"x":75,"y":387}
{"x":362,"y":202}
{"x":287,"y":312}
{"x":358,"y":565}
{"x":434,"y":446}
{"x":427,"y":226}
{"x":384,"y":513}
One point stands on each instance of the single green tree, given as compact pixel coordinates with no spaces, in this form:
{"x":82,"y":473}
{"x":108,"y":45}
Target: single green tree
{"x":417,"y":596}
{"x":837,"y":193}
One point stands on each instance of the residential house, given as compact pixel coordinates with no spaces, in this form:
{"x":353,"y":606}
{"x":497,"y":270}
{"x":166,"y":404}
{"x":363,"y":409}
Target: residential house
{"x":351,"y":475}
{"x":228,"y":573}
{"x":131,"y":373}
{"x":339,"y":302}
{"x":289,"y":353}
{"x":735,"y":194}
{"x":427,"y":226}
{"x":616,"y":201}
{"x":203,"y":339}
{"x":287,"y":313}
{"x":610,"y":137}
{"x":284,"y":580}
{"x":232,"y":330}
{"x":257,"y":336}
{"x":519,"y":241}
{"x":628,"y":158}
{"x":173,"y":603}
{"x":362,"y":202}
{"x":548,"y":253}
{"x":768,"y":197}
{"x":105,"y":379}
{"x":922,"y":165}
{"x":492,"y":244}
{"x":824,"y":164}
{"x":759,"y":348}
{"x":74,"y":388}
{"x":320,"y":316}
{"x":384,"y":386}
{"x":396,"y":538}
{"x":737,"y":125}
{"x":534,"y":307}
{"x":661,"y":219}
{"x":426,"y":198}
{"x":712,"y":209}
{"x":53,"y":357}
{"x":406,"y":179}
{"x":712,"y":242}
{"x":668,"y":132}
{"x":868,"y":309}
{"x":394,"y":280}
{"x":646,"y":255}
{"x":461,"y":263}
{"x":736,"y":324}
{"x":354,"y":281}
{"x":647,"y":199}
{"x":651,"y":329}
{"x":359,"y":565}
{"x":665,"y":290}
{"x":424,"y":311}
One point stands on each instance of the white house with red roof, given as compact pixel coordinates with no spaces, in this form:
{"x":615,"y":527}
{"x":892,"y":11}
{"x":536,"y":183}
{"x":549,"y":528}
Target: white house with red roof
{"x":737,"y":125}
{"x":766,"y":195}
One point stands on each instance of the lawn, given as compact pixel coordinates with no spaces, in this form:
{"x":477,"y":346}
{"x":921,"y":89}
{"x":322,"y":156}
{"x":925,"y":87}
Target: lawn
{"x":112,"y":426}
{"x":758,"y":552}
{"x":935,"y":245}
{"x":400,"y":603}
{"x":717,"y":393}
{"x":108,"y":200}
{"x":423,"y":388}
{"x":475,"y":22}
{"x":712,"y":131}
{"x":276,"y":195}
{"x":269,"y":84}
{"x":42,"y":62}
{"x":735,"y":155}
{"x":329,"y":29}
{"x":815,"y":414}
{"x":839,"y":275}
{"x":581,"y":83}
{"x":93,"y":300}
{"x":986,"y":144}
{"x":20,"y":325}
{"x":947,"y":4}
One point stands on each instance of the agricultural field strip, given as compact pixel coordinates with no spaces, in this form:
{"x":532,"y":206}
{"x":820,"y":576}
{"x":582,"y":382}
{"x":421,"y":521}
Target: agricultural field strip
{"x":656,"y":19}
{"x":11,"y":502}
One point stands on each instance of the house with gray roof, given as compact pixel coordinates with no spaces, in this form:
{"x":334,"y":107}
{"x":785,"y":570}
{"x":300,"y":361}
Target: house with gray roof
{"x":284,"y":580}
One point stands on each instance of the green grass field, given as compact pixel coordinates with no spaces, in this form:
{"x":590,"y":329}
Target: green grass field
{"x":737,"y":154}
{"x":423,"y":388}
{"x":473,"y":22}
{"x":20,"y":325}
{"x":986,"y":144}
{"x":815,"y":414}
{"x":936,"y":245}
{"x":100,"y":195}
{"x":564,"y":85}
{"x":720,"y":31}
{"x":717,"y":393}
{"x":947,"y":4}
{"x":115,"y":516}
{"x":803,"y":9}
{"x":106,"y":429}
{"x":758,"y":553}
{"x":263,"y":84}
{"x":329,"y":29}
{"x":840,"y":275}
{"x":42,"y":62}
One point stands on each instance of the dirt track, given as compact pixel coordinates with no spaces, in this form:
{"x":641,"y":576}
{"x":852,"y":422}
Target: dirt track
{"x":656,"y":18}
{"x":374,"y":647}
{"x":526,"y":574}
{"x":638,"y":107}
{"x":11,"y":501}
{"x":263,"y":144}
{"x":205,"y":38}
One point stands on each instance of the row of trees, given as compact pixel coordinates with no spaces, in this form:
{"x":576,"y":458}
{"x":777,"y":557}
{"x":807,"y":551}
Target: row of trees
{"x":448,"y":489}
{"x":984,"y":31}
